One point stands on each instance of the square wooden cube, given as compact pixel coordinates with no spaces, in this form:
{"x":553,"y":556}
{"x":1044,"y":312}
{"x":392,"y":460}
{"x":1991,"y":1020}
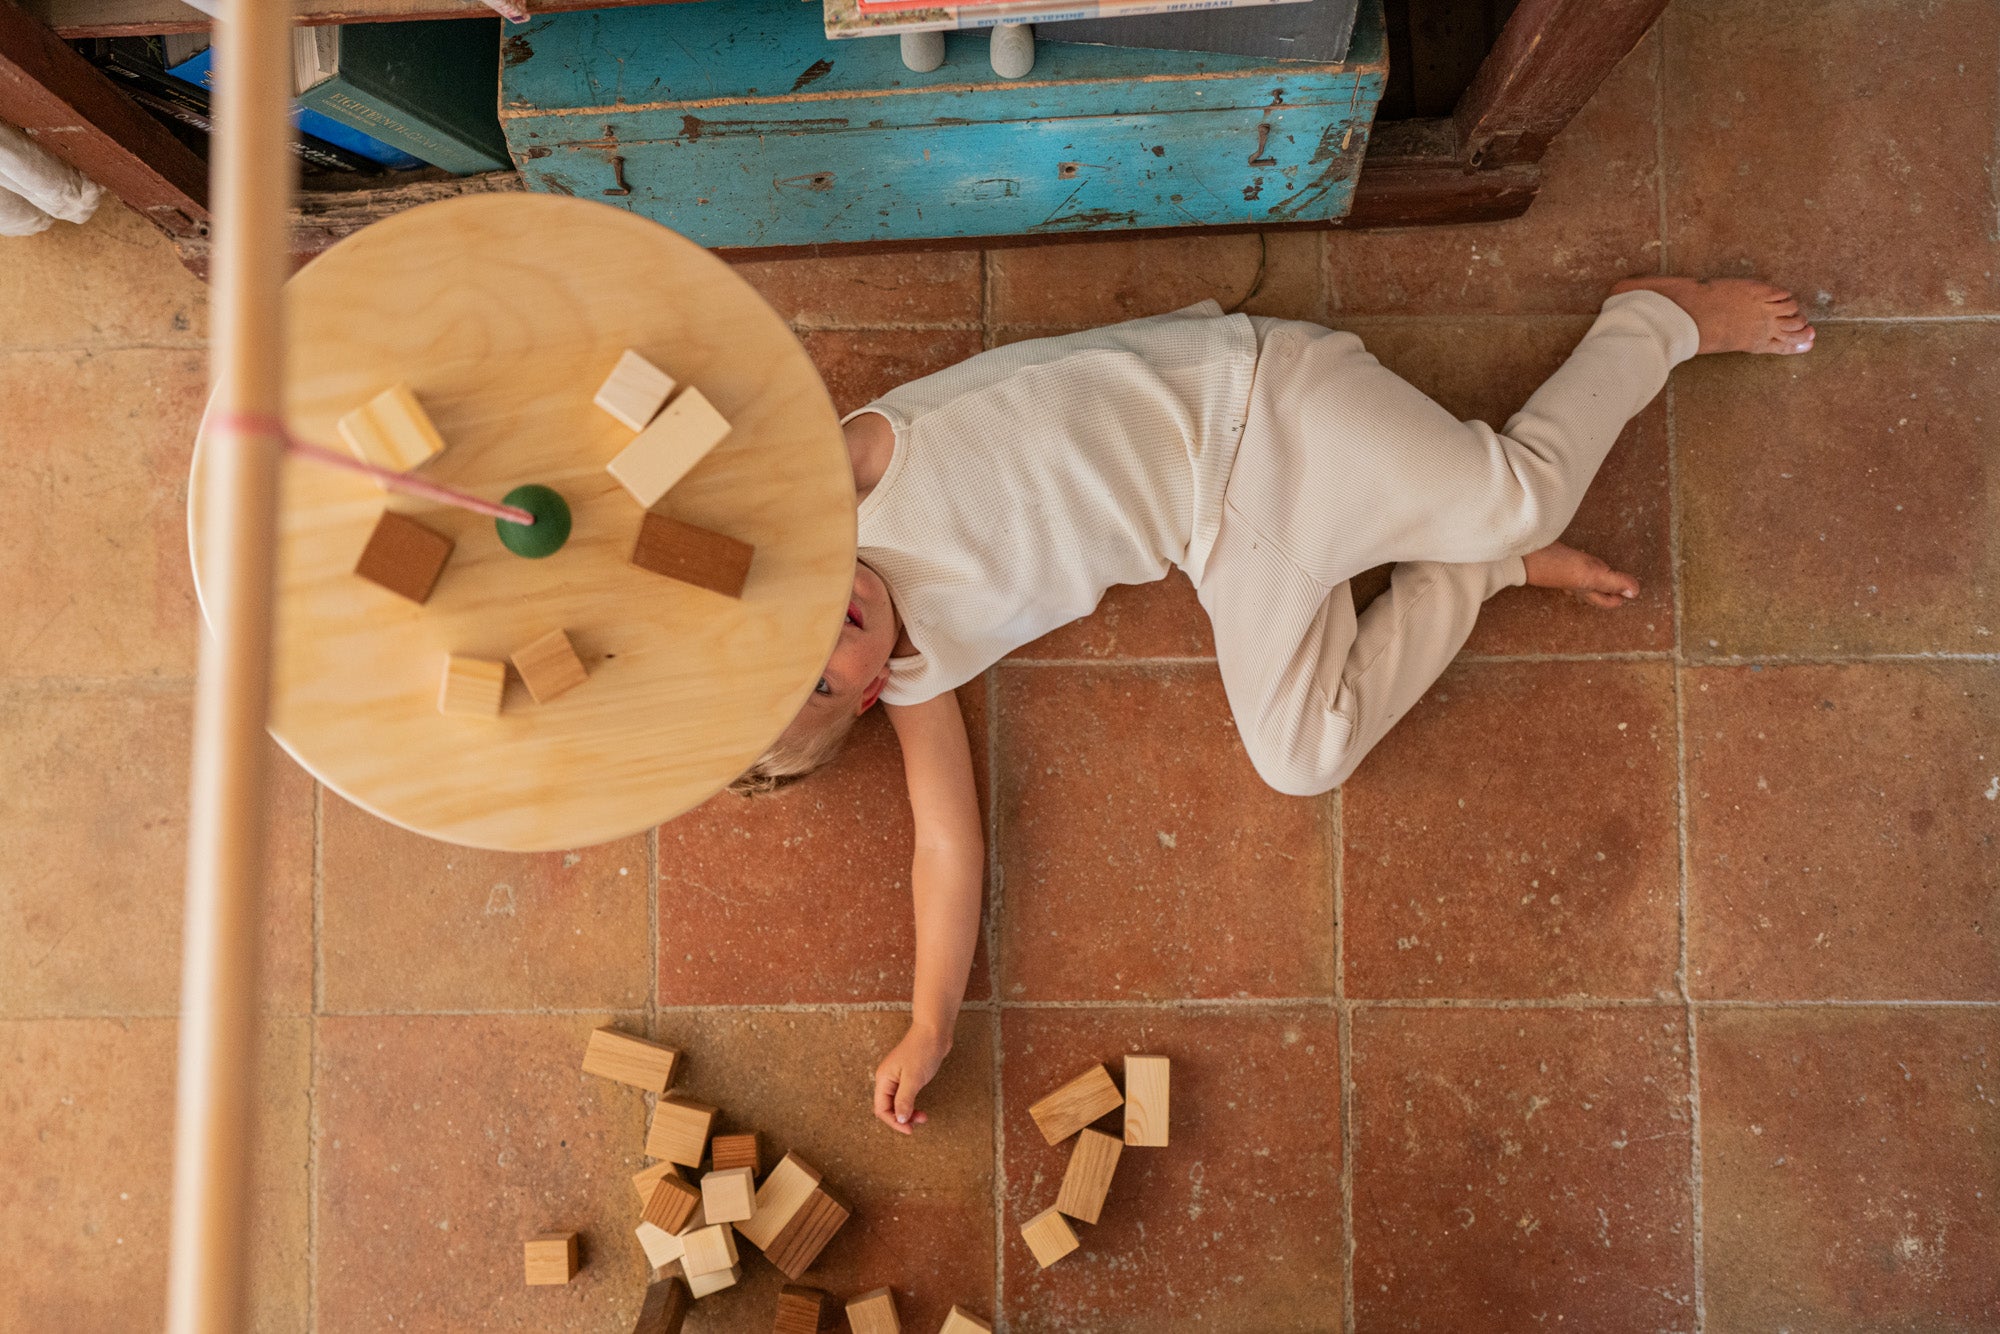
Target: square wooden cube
{"x":874,"y":1313}
{"x":784,"y":1191}
{"x":404,"y":557}
{"x":672,"y":444}
{"x":549,"y":667}
{"x":801,"y":1310}
{"x":679,"y":1132}
{"x":693,"y":555}
{"x":740,"y":1150}
{"x":634,"y":390}
{"x":801,"y":1239}
{"x":646,"y":1065}
{"x":391,"y":430}
{"x":1049,"y":1236}
{"x":1146,"y":1102}
{"x":672,"y":1204}
{"x":661,"y":1246}
{"x":550,"y":1258}
{"x":730,"y":1195}
{"x":962,"y":1321}
{"x":472,"y":687}
{"x":665,"y":1308}
{"x":646,"y":1178}
{"x":701,"y":1285}
{"x":1076,"y":1104}
{"x":707,"y":1249}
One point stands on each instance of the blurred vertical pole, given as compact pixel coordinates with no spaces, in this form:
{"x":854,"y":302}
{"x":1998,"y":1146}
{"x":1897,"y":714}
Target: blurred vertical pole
{"x":250,"y":197}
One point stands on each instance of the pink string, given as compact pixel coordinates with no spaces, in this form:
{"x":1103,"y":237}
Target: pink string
{"x":257,"y":424}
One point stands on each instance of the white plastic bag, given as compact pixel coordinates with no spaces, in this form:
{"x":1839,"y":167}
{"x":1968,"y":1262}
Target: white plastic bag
{"x":36,"y":187}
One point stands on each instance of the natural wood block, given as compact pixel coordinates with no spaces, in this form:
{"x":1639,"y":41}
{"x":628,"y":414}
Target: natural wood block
{"x":672,"y":444}
{"x":549,"y":666}
{"x":707,"y":1249}
{"x":962,"y":1321}
{"x":665,"y":1308}
{"x":646,"y":1178}
{"x":672,"y":1204}
{"x":472,"y":687}
{"x":391,"y":430}
{"x":550,"y":1258}
{"x":874,"y":1313}
{"x":1088,"y":1179}
{"x":700,"y":1285}
{"x":661,"y":1246}
{"x":634,"y":390}
{"x":1049,"y":1236}
{"x":630,"y":1060}
{"x":1076,"y":1104}
{"x":785,"y":1188}
{"x":692,"y":555}
{"x":1146,"y":1102}
{"x":801,"y":1310}
{"x":679,"y":1131}
{"x":742,"y":1150}
{"x":403,"y":556}
{"x":729,"y":1195}
{"x":801,"y":1239}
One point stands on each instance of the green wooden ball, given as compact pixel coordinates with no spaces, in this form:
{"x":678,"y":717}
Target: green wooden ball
{"x":546,"y":535}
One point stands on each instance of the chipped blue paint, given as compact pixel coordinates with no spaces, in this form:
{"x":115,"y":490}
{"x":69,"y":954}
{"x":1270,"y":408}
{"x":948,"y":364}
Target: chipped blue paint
{"x":736,"y":123}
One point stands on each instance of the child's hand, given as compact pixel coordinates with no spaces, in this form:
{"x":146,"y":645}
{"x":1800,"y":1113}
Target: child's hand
{"x":902,"y":1073}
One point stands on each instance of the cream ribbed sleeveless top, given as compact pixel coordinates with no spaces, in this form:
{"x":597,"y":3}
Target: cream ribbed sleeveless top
{"x":1031,"y":478}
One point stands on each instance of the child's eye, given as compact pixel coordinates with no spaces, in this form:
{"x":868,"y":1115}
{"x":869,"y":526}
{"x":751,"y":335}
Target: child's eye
{"x":822,"y":688}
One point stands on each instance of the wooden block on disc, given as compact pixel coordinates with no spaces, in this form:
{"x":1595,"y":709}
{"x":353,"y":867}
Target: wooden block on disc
{"x":391,"y":430}
{"x":700,"y":1285}
{"x":661,"y":1246}
{"x":550,"y":1258}
{"x":403,"y":556}
{"x":692,"y":555}
{"x":679,"y":1131}
{"x":729,"y":1195}
{"x":707,"y":1249}
{"x":611,"y":1054}
{"x":1146,"y":1101}
{"x":801,"y":1310}
{"x":1076,"y":1104}
{"x":727,"y":1151}
{"x":801,"y":1240}
{"x":783,"y":1191}
{"x":665,"y":1308}
{"x":646,"y":1178}
{"x":874,"y":1313}
{"x":962,"y":1321}
{"x":1048,"y":1235}
{"x":673,"y":443}
{"x":549,"y":667}
{"x":1088,"y":1179}
{"x":472,"y":687}
{"x":672,"y":1204}
{"x":634,"y":390}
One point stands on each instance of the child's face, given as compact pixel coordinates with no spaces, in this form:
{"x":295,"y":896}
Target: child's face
{"x":859,"y":667}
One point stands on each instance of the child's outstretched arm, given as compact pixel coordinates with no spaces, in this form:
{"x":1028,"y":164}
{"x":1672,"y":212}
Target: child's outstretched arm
{"x":945,"y":881}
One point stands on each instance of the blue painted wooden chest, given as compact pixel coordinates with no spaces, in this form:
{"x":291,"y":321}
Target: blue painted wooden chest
{"x":737,"y":123}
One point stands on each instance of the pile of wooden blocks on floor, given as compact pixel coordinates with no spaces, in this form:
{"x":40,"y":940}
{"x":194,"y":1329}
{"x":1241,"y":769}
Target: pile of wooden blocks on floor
{"x":689,"y":1229}
{"x":1087,"y":1182}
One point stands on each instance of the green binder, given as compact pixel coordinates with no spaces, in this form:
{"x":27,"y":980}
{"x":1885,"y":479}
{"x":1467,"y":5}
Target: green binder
{"x":431,"y":89}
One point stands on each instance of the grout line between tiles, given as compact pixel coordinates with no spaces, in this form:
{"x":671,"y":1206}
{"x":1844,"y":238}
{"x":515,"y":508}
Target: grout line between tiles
{"x":314,"y":1006}
{"x":1344,"y":1029}
{"x":653,"y":929}
{"x":996,"y":1046}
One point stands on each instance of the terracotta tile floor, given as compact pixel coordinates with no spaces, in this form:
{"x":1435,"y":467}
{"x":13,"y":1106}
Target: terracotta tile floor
{"x":1647,"y":977}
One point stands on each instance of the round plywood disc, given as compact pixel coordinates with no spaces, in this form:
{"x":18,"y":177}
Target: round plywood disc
{"x":504,"y":313}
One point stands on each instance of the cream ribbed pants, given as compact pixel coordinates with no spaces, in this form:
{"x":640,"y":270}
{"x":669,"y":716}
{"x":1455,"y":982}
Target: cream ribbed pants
{"x":1344,"y":466}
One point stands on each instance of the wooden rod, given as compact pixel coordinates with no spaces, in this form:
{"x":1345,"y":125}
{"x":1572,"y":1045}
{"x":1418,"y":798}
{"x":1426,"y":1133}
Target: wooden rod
{"x":213,"y":1125}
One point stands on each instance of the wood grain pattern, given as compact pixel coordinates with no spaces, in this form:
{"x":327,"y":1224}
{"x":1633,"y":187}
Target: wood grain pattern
{"x":693,"y":555}
{"x":550,"y":668}
{"x":744,"y":1149}
{"x":810,"y":1228}
{"x":874,"y":1313}
{"x":670,"y":445}
{"x":671,"y":1206}
{"x":679,"y":1132}
{"x":1551,"y":56}
{"x":787,"y":1187}
{"x":665,"y":1308}
{"x":404,"y":556}
{"x":626,"y":1059}
{"x":1049,"y":1237}
{"x":729,"y":1194}
{"x":707,"y":1249}
{"x":501,"y":312}
{"x":801,"y":1310}
{"x":391,"y":430}
{"x":550,"y":1258}
{"x":1147,"y":1105}
{"x":661,"y":1246}
{"x":634,"y":391}
{"x":1088,"y":1178}
{"x":701,"y":1285}
{"x":646,"y":1178}
{"x":472,"y":687}
{"x":1076,"y":1104}
{"x":962,"y":1321}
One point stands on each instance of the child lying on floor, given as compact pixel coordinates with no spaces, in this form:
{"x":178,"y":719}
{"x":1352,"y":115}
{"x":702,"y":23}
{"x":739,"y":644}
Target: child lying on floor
{"x":1272,"y":460}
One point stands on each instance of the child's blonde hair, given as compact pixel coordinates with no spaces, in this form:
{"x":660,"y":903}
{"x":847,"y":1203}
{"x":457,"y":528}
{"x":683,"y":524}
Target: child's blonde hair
{"x":792,"y":758}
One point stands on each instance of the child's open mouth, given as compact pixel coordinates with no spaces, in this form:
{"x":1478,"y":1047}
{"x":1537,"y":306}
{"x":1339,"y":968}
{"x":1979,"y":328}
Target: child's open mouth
{"x":854,"y":617}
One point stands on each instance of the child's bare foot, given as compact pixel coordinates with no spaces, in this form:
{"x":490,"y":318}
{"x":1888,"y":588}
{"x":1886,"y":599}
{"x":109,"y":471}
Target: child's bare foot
{"x":1734,"y":314}
{"x":1579,"y":574}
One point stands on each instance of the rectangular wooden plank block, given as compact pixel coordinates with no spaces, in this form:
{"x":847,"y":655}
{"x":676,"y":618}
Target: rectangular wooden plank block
{"x":618,"y":1056}
{"x":634,"y":390}
{"x":874,"y":1313}
{"x":403,"y":556}
{"x":1146,"y":1101}
{"x":679,"y":1132}
{"x":692,"y":555}
{"x":549,"y":667}
{"x":707,"y":1249}
{"x":801,"y":1310}
{"x":962,"y":1321}
{"x":1049,"y":1236}
{"x":1088,"y":1179}
{"x":739,"y":1150}
{"x":550,"y":1258}
{"x":701,"y":1285}
{"x":801,"y":1240}
{"x":1076,"y":1104}
{"x":672,"y":1204}
{"x":729,"y":1195}
{"x":391,"y":430}
{"x":666,"y":1306}
{"x":667,"y":449}
{"x":472,"y":687}
{"x":787,"y":1187}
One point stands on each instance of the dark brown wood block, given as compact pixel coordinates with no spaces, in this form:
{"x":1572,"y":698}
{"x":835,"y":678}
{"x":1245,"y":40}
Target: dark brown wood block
{"x":404,"y":556}
{"x":692,"y":555}
{"x":801,"y":1310}
{"x":801,"y":1240}
{"x":666,"y":1307}
{"x":671,"y":1204}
